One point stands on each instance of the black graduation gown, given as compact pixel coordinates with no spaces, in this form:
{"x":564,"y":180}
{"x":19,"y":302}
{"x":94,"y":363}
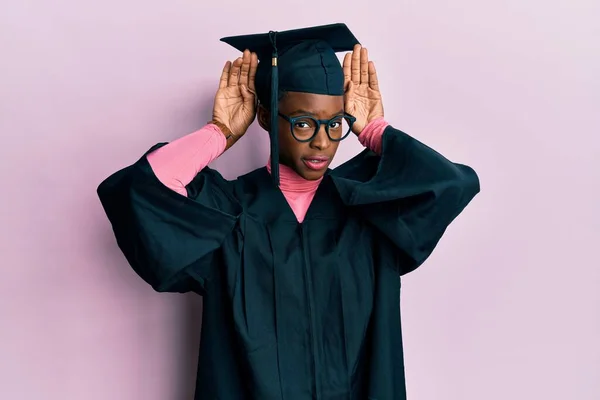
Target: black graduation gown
{"x":294,"y":310}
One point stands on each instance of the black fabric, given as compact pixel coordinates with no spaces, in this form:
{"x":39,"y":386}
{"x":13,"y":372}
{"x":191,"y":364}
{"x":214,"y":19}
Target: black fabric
{"x":306,"y":58}
{"x":294,"y":310}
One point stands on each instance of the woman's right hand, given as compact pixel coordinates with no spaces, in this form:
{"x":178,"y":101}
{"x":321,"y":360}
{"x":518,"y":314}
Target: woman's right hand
{"x":235,"y":101}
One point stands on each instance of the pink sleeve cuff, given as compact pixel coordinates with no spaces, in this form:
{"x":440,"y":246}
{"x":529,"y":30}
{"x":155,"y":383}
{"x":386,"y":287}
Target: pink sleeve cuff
{"x":372,"y":135}
{"x":178,"y":162}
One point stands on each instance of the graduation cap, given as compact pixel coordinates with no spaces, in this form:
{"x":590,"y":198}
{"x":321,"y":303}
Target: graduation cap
{"x":302,"y":60}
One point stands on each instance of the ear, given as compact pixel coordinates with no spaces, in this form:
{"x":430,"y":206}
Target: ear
{"x":264,"y":117}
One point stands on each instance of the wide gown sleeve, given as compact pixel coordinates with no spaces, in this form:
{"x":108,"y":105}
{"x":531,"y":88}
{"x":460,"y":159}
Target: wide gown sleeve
{"x":169,"y":239}
{"x":410,"y":193}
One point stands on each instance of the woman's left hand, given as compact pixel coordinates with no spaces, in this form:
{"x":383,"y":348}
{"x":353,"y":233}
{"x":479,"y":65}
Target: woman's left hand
{"x":362,"y":98}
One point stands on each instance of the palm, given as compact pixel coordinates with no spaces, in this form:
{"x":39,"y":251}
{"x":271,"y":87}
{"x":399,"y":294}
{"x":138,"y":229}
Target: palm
{"x":231,"y":109}
{"x":362,"y":97}
{"x":235,"y":101}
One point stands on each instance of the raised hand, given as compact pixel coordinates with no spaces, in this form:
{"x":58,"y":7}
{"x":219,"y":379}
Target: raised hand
{"x":235,"y":101}
{"x":362,"y":98}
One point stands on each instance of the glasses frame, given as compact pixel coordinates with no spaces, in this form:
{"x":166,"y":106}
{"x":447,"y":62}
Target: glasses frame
{"x":293,"y":120}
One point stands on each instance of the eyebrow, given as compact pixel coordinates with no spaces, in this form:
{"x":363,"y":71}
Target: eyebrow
{"x":306,"y":112}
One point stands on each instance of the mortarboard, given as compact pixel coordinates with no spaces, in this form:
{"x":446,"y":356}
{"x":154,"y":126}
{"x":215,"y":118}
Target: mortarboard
{"x":302,"y":60}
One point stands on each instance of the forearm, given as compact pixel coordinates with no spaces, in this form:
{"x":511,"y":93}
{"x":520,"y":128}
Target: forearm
{"x":372,"y":135}
{"x":178,"y":162}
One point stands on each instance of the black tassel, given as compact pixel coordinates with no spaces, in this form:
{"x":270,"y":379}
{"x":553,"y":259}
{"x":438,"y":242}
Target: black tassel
{"x":274,"y":133}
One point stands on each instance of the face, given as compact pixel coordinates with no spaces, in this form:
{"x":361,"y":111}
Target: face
{"x":310,"y":159}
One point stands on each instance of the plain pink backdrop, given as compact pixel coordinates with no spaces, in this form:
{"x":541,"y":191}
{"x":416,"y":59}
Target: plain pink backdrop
{"x":506,"y":308}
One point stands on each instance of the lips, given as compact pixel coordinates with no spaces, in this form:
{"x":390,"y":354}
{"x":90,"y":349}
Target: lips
{"x":316,"y":163}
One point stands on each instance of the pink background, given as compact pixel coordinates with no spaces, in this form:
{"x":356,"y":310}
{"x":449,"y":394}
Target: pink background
{"x":506,"y":308}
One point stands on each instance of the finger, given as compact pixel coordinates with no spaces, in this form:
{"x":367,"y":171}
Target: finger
{"x":245,"y":93}
{"x":348,"y":98}
{"x":252,"y":73}
{"x":225,"y":75}
{"x":245,"y":70}
{"x":355,"y":67}
{"x":373,"y":81}
{"x":234,"y":73}
{"x":347,"y":70}
{"x":350,"y":89}
{"x":364,"y":66}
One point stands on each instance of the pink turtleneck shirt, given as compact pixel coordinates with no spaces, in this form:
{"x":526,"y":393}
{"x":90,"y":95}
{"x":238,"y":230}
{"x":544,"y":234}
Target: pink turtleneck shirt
{"x":178,"y":162}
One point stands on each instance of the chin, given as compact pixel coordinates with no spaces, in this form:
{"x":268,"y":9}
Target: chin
{"x":313,"y":177}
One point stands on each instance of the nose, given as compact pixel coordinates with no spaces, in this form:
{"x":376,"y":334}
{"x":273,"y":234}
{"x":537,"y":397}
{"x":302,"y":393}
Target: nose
{"x":321,"y":141}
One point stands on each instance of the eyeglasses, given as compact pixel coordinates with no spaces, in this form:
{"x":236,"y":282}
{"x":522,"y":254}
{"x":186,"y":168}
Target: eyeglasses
{"x":305,"y":128}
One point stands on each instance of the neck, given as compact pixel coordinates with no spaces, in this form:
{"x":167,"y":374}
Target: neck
{"x":290,"y":181}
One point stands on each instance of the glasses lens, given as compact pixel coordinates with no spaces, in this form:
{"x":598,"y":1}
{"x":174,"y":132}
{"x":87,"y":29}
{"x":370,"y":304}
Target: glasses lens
{"x":338,"y":128}
{"x":304,"y":128}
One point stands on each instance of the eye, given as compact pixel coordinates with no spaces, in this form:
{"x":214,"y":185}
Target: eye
{"x":302,"y":125}
{"x":335,"y":123}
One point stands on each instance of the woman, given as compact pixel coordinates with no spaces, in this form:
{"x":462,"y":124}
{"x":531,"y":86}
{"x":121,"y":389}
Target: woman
{"x":299,"y":267}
